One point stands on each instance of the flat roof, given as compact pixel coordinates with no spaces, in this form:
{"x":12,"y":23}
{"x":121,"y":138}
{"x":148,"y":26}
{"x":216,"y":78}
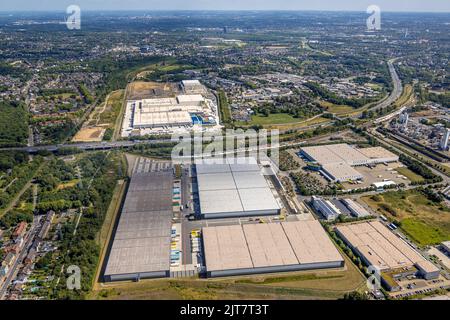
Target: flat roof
{"x":225,"y":248}
{"x":215,"y":165}
{"x":220,"y":201}
{"x":322,"y":155}
{"x":344,"y":153}
{"x":245,"y":180}
{"x":347,"y":153}
{"x":216,"y":181}
{"x":254,"y":199}
{"x":142,"y":240}
{"x":341,"y":171}
{"x":379,"y":246}
{"x":377,"y":153}
{"x":253,"y":246}
{"x":190,"y":98}
{"x":234,"y":185}
{"x":191,"y":82}
{"x":356,"y":207}
{"x":161,"y":118}
{"x":446,"y":244}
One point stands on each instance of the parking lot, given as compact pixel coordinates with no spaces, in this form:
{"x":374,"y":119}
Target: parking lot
{"x":419,"y":286}
{"x":377,"y":174}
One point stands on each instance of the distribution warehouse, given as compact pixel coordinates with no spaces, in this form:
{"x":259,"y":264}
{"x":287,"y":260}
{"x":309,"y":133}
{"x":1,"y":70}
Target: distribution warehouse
{"x":379,"y":247}
{"x":272,"y":247}
{"x":234,"y":187}
{"x":141,"y":246}
{"x":337,"y":161}
{"x":180,"y":107}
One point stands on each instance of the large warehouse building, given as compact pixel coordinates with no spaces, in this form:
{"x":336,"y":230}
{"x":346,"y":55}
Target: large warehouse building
{"x":165,"y":111}
{"x":235,"y":187}
{"x":141,"y":245}
{"x":379,"y":247}
{"x":265,"y":248}
{"x":337,"y":160}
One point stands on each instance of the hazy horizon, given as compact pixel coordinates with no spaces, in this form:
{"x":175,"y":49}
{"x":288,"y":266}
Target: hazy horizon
{"x":230,"y":5}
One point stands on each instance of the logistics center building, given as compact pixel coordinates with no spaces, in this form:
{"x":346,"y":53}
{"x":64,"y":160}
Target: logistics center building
{"x":337,"y":160}
{"x":379,"y":247}
{"x":234,"y":187}
{"x":266,"y":248}
{"x":141,"y":245}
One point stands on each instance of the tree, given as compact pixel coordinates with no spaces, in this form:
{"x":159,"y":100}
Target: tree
{"x":355,"y":295}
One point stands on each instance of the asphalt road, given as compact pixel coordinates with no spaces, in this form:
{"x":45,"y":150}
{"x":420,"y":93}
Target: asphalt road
{"x":396,"y":92}
{"x":185,"y":232}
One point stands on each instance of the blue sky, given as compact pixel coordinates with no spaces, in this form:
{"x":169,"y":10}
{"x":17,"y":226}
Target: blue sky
{"x":351,"y":5}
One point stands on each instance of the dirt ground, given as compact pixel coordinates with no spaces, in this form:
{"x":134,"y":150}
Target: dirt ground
{"x":142,"y":90}
{"x":89,"y":134}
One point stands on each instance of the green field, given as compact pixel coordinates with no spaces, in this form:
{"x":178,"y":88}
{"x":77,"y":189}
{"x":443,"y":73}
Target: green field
{"x":334,"y":108}
{"x":276,"y":118}
{"x":424,"y":221}
{"x":413,"y":177}
{"x":423,"y":233}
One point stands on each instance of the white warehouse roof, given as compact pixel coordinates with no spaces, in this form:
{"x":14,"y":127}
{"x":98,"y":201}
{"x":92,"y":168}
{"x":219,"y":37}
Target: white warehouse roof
{"x":344,"y":153}
{"x":234,"y":188}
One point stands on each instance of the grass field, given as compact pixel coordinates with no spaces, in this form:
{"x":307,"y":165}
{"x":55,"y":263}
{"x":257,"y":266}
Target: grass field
{"x":112,"y":108}
{"x":413,"y":177}
{"x":424,"y":221}
{"x":104,"y":116}
{"x":405,"y":97}
{"x":276,"y":118}
{"x":283,"y":121}
{"x":334,"y":108}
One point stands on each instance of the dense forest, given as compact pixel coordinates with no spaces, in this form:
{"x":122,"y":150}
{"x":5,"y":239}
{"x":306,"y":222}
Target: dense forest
{"x":13,"y":124}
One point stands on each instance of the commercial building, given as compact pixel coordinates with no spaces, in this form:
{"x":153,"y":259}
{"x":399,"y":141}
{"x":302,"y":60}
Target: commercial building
{"x":192,"y":86}
{"x":341,"y":172}
{"x":355,"y":208}
{"x":379,"y":155}
{"x":150,"y":113}
{"x":379,"y":247}
{"x":446,"y":246}
{"x":234,"y":187}
{"x":326,"y":208}
{"x":141,"y":245}
{"x":383,"y":184}
{"x":337,"y":161}
{"x":265,"y":248}
{"x":168,"y":111}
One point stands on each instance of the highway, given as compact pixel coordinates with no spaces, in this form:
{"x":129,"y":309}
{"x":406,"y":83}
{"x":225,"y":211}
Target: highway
{"x":396,"y":92}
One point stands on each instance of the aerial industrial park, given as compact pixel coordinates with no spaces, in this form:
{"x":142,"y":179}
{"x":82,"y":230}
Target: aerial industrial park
{"x":224,"y":155}
{"x":171,"y":108}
